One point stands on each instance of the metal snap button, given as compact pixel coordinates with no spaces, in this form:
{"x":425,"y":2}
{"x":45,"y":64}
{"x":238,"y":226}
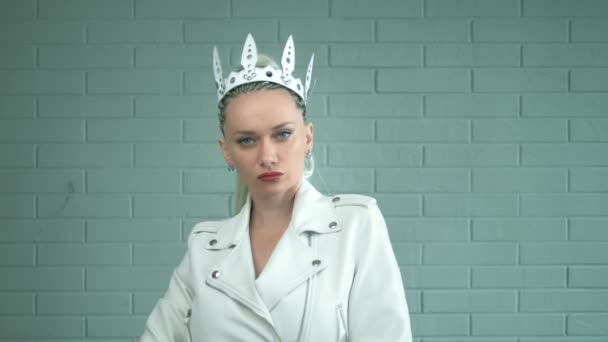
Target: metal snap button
{"x":213,"y":242}
{"x":316,"y":263}
{"x":333,"y":225}
{"x":336,"y":199}
{"x":215,"y":274}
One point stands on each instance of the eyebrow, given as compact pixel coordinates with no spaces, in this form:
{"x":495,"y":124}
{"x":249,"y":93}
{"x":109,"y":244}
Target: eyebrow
{"x":273,"y":128}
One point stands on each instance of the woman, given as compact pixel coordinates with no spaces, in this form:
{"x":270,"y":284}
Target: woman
{"x":292,"y":265}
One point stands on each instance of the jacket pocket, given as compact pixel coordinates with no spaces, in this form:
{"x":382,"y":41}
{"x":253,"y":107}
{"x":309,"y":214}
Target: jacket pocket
{"x":342,"y":326}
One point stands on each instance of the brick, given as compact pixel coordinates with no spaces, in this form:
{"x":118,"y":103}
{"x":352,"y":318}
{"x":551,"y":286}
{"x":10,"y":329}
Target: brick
{"x":352,"y":30}
{"x":588,"y":324}
{"x":517,"y":324}
{"x":519,"y":230}
{"x":205,"y":130}
{"x":570,"y":55}
{"x":80,"y":57}
{"x":588,"y":30}
{"x":41,"y":181}
{"x":428,"y":229}
{"x":134,"y":81}
{"x":487,"y":301}
{"x":165,"y":56}
{"x":84,"y":155}
{"x":462,"y":205}
{"x":160,"y":254}
{"x":18,"y":57}
{"x":178,"y":155}
{"x":42,"y":327}
{"x":423,"y":180}
{"x":424,"y":80}
{"x":469,"y":254}
{"x":42,"y":131}
{"x":17,"y":304}
{"x":588,"y":276}
{"x":428,"y":277}
{"x":85,"y":106}
{"x":348,"y":180}
{"x":344,"y":80}
{"x":379,"y":155}
{"x":589,"y":130}
{"x":563,"y":300}
{"x":127,"y":326}
{"x":520,"y":30}
{"x":17,"y":155}
{"x":87,"y":9}
{"x":199,"y":82}
{"x":564,"y":8}
{"x":42,"y":32}
{"x":124,"y":31}
{"x":469,"y":155}
{"x":376,"y":105}
{"x":581,"y":154}
{"x":133,"y":180}
{"x":471,"y":8}
{"x":473,"y":55}
{"x":370,"y":9}
{"x":131,"y":278}
{"x":588,"y":180}
{"x":440,"y":325}
{"x":423,"y":30}
{"x":209,"y":181}
{"x":83,"y":206}
{"x":180,"y":206}
{"x":83,"y":304}
{"x":279,"y":9}
{"x":375,"y":55}
{"x":518,"y":180}
{"x":41,"y":279}
{"x":176,"y":106}
{"x":419,"y":130}
{"x":16,"y":206}
{"x":589,"y":80}
{"x":574,"y":253}
{"x":564,"y":105}
{"x":84,"y":254}
{"x":17,"y":255}
{"x":399,"y":205}
{"x":588,"y":229}
{"x":134,"y":130}
{"x":414,"y":301}
{"x":471,"y":105}
{"x":231,"y":31}
{"x":519,"y":277}
{"x":563,"y":339}
{"x":143,"y":303}
{"x":190,"y":9}
{"x":341,"y":130}
{"x":564,"y":205}
{"x":41,"y":230}
{"x":128,"y":230}
{"x":41,"y":82}
{"x":520,"y":130}
{"x":407,"y":253}
{"x":18,"y":9}
{"x":520,"y":80}
{"x":17,"y":106}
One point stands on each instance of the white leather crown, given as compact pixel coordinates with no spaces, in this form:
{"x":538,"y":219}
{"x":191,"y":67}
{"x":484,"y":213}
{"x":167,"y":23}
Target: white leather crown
{"x":251,"y":73}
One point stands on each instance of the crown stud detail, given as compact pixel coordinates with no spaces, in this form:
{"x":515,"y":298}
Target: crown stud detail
{"x":252,"y":73}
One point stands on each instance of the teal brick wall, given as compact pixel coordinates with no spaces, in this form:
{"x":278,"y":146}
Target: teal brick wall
{"x":481,"y":126}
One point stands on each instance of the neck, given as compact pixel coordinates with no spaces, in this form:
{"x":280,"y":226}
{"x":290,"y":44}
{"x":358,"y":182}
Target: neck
{"x":272,"y":212}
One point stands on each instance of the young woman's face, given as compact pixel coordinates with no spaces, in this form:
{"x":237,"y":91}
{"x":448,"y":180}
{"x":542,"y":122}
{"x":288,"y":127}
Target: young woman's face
{"x":266,"y":140}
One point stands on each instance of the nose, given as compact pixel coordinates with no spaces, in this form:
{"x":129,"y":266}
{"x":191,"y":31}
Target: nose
{"x":268,"y":153}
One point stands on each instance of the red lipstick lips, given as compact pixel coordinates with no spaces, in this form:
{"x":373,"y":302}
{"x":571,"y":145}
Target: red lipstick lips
{"x":270,"y":176}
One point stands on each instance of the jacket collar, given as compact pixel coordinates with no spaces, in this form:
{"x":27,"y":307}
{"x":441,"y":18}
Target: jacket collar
{"x":312,"y":212}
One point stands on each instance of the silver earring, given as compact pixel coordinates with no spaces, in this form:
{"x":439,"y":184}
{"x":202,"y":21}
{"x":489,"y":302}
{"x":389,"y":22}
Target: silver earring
{"x":308,"y":155}
{"x":230,"y":168}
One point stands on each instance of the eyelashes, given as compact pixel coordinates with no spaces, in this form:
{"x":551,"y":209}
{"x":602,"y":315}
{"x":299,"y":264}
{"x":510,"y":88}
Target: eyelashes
{"x":280,"y":136}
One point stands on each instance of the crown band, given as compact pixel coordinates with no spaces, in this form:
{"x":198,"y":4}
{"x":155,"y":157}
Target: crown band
{"x":252,"y":73}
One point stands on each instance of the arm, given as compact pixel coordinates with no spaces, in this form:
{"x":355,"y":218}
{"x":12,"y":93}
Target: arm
{"x":169,"y":320}
{"x":377,"y":305}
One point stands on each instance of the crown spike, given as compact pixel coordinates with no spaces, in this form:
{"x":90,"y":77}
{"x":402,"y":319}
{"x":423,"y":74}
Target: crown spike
{"x":218,"y":73}
{"x":308,"y":76}
{"x":288,"y":60}
{"x":249,"y":57}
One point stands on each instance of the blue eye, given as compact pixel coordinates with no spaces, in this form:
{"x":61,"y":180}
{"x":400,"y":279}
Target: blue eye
{"x":284,"y":135}
{"x":245,"y":141}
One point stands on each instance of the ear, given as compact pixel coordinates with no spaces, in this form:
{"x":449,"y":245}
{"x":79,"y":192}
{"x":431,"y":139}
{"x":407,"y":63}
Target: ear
{"x":309,"y":136}
{"x":223,"y":146}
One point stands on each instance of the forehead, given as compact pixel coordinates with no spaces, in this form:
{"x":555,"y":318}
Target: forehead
{"x":261,"y":109}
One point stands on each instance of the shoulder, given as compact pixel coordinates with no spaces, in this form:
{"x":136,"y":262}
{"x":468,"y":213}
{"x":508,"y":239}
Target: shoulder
{"x":353,"y":200}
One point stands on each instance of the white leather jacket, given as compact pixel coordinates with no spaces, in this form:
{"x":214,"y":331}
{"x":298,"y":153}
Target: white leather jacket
{"x":332,"y":277}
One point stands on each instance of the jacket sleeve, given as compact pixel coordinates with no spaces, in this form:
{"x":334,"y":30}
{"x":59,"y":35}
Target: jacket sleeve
{"x":170,"y":318}
{"x":377,"y":306}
